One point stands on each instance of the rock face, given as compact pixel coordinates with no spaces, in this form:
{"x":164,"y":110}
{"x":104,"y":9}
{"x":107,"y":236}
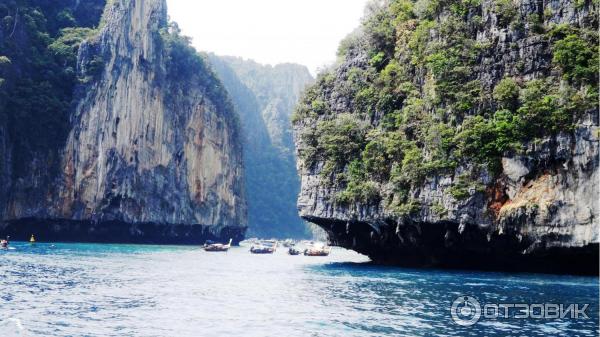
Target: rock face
{"x":427,"y":192}
{"x":152,"y":153}
{"x":264,"y":97}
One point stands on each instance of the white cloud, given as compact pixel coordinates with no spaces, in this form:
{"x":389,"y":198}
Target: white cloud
{"x":269,"y":31}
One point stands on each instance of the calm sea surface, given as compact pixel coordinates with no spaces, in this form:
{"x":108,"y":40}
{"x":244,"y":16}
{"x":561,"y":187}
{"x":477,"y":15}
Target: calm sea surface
{"x":131,"y":290}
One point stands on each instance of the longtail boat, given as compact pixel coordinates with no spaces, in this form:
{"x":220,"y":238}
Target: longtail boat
{"x":264,"y":247}
{"x":317,"y":250}
{"x":217,"y":247}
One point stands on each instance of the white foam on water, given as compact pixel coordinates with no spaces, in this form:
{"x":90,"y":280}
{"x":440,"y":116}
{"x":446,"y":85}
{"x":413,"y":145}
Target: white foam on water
{"x":13,"y":327}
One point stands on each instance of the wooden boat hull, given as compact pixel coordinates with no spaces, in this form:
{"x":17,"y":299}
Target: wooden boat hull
{"x":317,"y":252}
{"x":215,"y":249}
{"x":262,"y":251}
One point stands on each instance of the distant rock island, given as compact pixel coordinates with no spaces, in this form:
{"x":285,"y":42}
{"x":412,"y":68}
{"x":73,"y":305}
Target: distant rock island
{"x":264,"y":97}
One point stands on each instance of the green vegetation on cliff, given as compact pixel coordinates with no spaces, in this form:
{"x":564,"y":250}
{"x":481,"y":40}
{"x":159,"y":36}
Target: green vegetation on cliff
{"x":39,"y":41}
{"x":186,"y":67}
{"x":420,"y":92}
{"x":264,"y":97}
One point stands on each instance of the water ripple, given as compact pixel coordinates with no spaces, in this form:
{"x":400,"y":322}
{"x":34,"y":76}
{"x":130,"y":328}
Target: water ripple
{"x":129,"y":290}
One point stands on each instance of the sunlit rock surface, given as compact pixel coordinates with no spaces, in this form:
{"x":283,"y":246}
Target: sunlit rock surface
{"x":153,"y":153}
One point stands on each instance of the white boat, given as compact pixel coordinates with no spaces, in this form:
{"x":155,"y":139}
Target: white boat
{"x":317,"y":249}
{"x":264,"y":247}
{"x":217,"y":247}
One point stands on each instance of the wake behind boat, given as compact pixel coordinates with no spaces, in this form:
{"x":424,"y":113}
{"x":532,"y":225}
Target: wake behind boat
{"x":217,"y":247}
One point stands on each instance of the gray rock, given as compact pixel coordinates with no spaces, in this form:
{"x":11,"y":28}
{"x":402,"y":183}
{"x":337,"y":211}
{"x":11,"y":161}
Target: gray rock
{"x":539,"y":214}
{"x":144,"y":147}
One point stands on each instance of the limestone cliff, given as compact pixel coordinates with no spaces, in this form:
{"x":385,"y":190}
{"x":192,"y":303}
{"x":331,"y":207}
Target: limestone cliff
{"x":152,"y":152}
{"x":265,"y":96}
{"x":459,"y":134}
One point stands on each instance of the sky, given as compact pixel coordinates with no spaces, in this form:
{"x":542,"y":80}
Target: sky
{"x":307,"y":32}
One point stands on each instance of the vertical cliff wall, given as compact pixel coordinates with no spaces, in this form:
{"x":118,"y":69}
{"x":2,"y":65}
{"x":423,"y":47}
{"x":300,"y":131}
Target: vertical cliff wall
{"x":265,"y":97}
{"x":152,"y":150}
{"x":38,"y":42}
{"x":459,"y":134}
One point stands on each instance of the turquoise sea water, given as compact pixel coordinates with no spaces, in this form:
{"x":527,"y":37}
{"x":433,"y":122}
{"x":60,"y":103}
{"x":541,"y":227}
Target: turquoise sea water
{"x":130,"y":290}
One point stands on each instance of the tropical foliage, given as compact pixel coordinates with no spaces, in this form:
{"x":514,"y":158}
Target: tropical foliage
{"x":412,"y":97}
{"x":39,"y":41}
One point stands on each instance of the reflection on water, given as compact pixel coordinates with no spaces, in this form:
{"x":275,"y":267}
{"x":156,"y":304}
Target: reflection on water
{"x":129,"y":290}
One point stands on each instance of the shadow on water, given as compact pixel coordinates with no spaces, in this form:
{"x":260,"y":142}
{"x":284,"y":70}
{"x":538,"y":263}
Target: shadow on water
{"x":358,"y":268}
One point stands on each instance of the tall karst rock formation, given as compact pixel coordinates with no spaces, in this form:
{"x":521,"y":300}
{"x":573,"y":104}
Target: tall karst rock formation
{"x":142,"y":146}
{"x":459,"y":134}
{"x":265,"y":97}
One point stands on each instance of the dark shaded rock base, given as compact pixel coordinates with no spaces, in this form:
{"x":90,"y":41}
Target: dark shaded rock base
{"x":440,"y":245}
{"x":60,"y":230}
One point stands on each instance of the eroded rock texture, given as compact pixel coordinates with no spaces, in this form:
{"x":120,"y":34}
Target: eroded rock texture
{"x":152,"y":152}
{"x":413,"y":189}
